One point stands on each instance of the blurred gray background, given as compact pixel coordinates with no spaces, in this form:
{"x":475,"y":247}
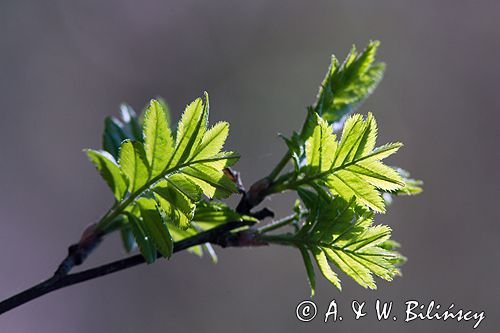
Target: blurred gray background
{"x":65,"y":65}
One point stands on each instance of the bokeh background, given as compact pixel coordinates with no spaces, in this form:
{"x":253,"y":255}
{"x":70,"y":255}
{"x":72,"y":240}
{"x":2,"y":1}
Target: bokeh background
{"x":65,"y":65}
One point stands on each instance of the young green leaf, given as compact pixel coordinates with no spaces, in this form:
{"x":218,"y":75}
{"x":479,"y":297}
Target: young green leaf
{"x":182,"y":183}
{"x":145,"y":243}
{"x":321,"y":147}
{"x":155,"y":226}
{"x":130,"y":123}
{"x":133,"y":164}
{"x":109,"y":170}
{"x":177,"y":207}
{"x":309,"y":269}
{"x":213,"y":182}
{"x":324,"y":267}
{"x":158,"y":142}
{"x":412,"y":186}
{"x":212,"y":142}
{"x":127,"y":237}
{"x":351,"y":167}
{"x":213,"y":213}
{"x":113,"y":136}
{"x":175,"y":175}
{"x":339,"y":232}
{"x":116,"y":130}
{"x":347,"y":85}
{"x":190,"y":131}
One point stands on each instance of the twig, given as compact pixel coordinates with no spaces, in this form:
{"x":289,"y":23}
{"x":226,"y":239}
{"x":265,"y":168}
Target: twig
{"x":91,"y":237}
{"x":220,"y":235}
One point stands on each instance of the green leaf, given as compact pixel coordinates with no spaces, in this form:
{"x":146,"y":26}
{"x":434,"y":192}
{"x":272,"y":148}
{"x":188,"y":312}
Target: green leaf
{"x":213,"y":182}
{"x":165,"y":108}
{"x":339,"y":232}
{"x":348,"y":184}
{"x":133,"y":164}
{"x":309,"y":268}
{"x":212,"y":141}
{"x":109,"y":170}
{"x":154,"y":170}
{"x":155,"y":226}
{"x":211,"y":252}
{"x":130,"y":123}
{"x":177,"y":207}
{"x":186,"y":186}
{"x":127,"y":237}
{"x":347,"y":85}
{"x":158,"y":142}
{"x":412,"y":186}
{"x":213,"y":213}
{"x":351,"y":167}
{"x":321,"y":146}
{"x":145,"y":243}
{"x":352,"y":267}
{"x":324,"y":267}
{"x":116,"y":130}
{"x":113,"y":136}
{"x":296,"y":149}
{"x":190,"y":131}
{"x":178,"y":235}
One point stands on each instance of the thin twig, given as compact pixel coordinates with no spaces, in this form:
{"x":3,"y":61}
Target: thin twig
{"x":219,"y":235}
{"x":77,"y":253}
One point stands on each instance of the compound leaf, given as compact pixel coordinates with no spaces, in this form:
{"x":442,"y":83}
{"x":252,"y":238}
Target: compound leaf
{"x":347,"y":85}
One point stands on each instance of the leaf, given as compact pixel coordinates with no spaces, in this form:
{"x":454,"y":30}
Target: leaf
{"x":321,"y":146}
{"x":168,"y":176}
{"x":127,"y":237}
{"x":296,"y":149}
{"x":211,"y":214}
{"x":351,"y":167}
{"x":113,"y":136}
{"x":186,"y":186}
{"x":158,"y":142}
{"x":412,"y":186}
{"x":165,"y":108}
{"x":309,"y":269}
{"x":213,"y":182}
{"x":155,"y":226}
{"x":348,"y":184}
{"x":109,"y":170}
{"x":211,"y":252}
{"x":378,"y":174}
{"x":116,"y":130}
{"x":212,"y":141}
{"x":190,"y":131}
{"x":145,"y":243}
{"x":130,"y":123}
{"x":339,"y":232}
{"x":178,"y":208}
{"x":324,"y":267}
{"x":133,"y":164}
{"x":347,"y":85}
{"x":179,"y":234}
{"x":349,"y":265}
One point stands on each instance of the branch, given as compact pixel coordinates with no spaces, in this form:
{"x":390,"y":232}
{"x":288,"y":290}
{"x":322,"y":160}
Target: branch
{"x":220,"y":235}
{"x":91,"y":237}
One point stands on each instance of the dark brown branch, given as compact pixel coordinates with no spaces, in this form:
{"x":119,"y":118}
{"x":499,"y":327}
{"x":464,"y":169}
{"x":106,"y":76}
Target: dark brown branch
{"x":220,"y":235}
{"x":91,"y":237}
{"x":77,"y":253}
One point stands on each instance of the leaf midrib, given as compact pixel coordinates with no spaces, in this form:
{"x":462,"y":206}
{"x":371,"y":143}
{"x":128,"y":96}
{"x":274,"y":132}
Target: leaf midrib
{"x":306,"y":180}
